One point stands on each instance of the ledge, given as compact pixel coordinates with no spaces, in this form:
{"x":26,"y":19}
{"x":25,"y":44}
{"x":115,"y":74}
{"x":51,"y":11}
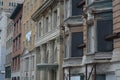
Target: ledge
{"x":74,"y":19}
{"x":72,"y":62}
{"x":47,"y":66}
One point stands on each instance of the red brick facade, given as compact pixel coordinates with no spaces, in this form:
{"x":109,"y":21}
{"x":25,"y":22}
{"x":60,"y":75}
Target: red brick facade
{"x":17,"y":34}
{"x":17,"y":42}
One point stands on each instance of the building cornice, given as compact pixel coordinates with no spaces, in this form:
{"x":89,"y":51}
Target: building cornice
{"x":42,"y":8}
{"x":16,"y":11}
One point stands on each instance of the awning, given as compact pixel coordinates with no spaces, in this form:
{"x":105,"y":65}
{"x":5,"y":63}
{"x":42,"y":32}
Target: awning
{"x":47,"y":66}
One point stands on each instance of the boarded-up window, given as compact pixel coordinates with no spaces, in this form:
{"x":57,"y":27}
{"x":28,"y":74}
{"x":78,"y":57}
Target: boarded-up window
{"x":75,"y":10}
{"x":104,"y":27}
{"x":77,"y":38}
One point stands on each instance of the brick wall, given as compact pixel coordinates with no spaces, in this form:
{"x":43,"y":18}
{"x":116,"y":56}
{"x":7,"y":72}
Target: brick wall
{"x":116,"y":21}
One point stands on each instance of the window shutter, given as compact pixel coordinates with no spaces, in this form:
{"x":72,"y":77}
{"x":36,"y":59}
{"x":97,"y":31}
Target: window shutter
{"x":75,"y":10}
{"x":77,"y":38}
{"x":104,"y":27}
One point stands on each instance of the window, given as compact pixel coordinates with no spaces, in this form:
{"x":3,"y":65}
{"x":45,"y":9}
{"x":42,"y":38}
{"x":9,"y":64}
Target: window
{"x":55,"y":19}
{"x":26,"y":64}
{"x":46,"y":74}
{"x":14,"y":4}
{"x":19,"y":42}
{"x":100,"y":77}
{"x":2,"y":3}
{"x":77,"y":77}
{"x":110,"y":76}
{"x":32,"y":63}
{"x":75,"y":10}
{"x":40,"y":29}
{"x":71,"y":9}
{"x":47,"y":21}
{"x":8,"y":72}
{"x":17,"y":26}
{"x":54,"y":75}
{"x":77,"y":38}
{"x":9,"y":3}
{"x":104,"y":28}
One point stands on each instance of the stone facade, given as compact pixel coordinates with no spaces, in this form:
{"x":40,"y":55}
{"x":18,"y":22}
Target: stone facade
{"x":28,"y":57}
{"x":48,"y":18}
{"x":98,"y":62}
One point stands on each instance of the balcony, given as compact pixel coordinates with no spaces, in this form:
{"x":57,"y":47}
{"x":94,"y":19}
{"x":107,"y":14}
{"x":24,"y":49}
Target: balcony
{"x":74,"y":20}
{"x":47,"y":36}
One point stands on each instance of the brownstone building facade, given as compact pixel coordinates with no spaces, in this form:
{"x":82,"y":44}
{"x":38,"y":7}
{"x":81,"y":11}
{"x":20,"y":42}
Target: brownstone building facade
{"x":17,"y":50}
